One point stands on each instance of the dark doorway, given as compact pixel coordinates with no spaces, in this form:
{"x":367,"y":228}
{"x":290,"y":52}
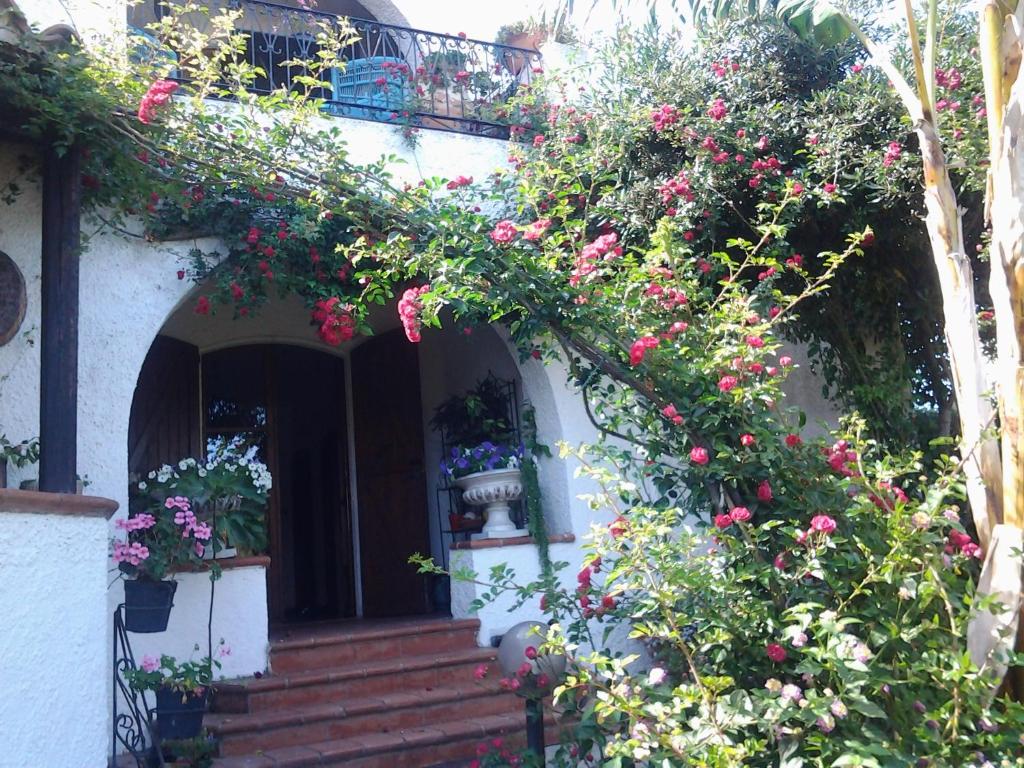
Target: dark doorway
{"x":290,"y":403}
{"x":390,"y":474}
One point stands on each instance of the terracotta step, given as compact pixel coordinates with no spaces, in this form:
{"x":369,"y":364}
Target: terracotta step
{"x":340,"y":684}
{"x":315,"y":647}
{"x":263,"y":731}
{"x":409,"y":748}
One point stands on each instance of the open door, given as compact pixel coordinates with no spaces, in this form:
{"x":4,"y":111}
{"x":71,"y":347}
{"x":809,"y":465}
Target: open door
{"x":164,"y":426}
{"x":390,"y":475}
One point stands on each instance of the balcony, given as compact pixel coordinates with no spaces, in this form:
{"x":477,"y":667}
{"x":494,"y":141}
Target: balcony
{"x":392,"y":74}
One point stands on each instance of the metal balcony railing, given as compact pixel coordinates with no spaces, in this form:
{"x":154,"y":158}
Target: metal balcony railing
{"x":392,"y":74}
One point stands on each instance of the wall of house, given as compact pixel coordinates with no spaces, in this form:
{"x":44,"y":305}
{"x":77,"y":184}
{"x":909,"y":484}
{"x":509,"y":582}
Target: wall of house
{"x":239,"y":620}
{"x":54,"y":648}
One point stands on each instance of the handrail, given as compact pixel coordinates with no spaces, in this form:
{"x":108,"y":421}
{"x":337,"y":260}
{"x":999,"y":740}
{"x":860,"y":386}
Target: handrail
{"x":393,"y":74}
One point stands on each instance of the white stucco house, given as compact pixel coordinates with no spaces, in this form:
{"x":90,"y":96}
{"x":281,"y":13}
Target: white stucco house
{"x":339,"y":652}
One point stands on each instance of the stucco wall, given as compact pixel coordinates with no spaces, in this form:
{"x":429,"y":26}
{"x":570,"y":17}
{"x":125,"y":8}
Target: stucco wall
{"x":239,"y":619}
{"x":54,"y":654}
{"x":496,"y":617}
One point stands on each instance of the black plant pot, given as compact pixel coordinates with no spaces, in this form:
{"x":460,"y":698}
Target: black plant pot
{"x":147,"y":604}
{"x":178,"y":715}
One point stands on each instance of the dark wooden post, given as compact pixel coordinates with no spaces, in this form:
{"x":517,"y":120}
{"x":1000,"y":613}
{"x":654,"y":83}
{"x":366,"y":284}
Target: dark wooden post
{"x":58,"y":376}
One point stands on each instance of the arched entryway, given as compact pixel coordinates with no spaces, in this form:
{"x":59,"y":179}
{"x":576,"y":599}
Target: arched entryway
{"x":343,"y":438}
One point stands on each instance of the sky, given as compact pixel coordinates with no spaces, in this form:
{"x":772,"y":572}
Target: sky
{"x":482,"y":18}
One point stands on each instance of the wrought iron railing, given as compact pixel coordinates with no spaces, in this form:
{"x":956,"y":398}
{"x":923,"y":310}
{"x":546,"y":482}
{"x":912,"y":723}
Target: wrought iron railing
{"x":392,"y":74}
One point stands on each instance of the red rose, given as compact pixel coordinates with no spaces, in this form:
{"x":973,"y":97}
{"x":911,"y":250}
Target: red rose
{"x":699,"y":455}
{"x":775,"y":652}
{"x":747,"y":441}
{"x":723,"y":521}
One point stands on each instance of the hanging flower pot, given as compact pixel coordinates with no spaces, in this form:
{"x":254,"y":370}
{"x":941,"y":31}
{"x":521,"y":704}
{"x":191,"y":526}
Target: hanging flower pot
{"x":147,"y":604}
{"x":179,"y":715}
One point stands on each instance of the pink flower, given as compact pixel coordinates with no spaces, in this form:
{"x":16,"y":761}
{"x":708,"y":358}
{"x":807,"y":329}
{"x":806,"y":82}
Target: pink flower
{"x":727,"y":383}
{"x":892,"y":153}
{"x":159,"y":93}
{"x":856,"y":68}
{"x":740,"y":514}
{"x":504,"y":232}
{"x":717,"y":110}
{"x":460,"y":181}
{"x":829,"y":188}
{"x":775,"y":652}
{"x":793,"y":440}
{"x":410,"y":308}
{"x":723,"y":521}
{"x":699,"y":455}
{"x":670,"y":413}
{"x":823,"y":524}
{"x":536,"y":229}
{"x":780,"y":561}
{"x":764,"y":491}
{"x":639,"y":348}
{"x":481,"y":671}
{"x":150,"y":663}
{"x":785,"y":361}
{"x":756,"y":342}
{"x":747,"y":440}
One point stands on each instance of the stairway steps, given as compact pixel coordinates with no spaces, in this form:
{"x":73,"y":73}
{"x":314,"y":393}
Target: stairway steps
{"x":321,"y":686}
{"x":408,"y":748}
{"x":241,"y":734}
{"x":314,"y":650}
{"x":375,"y":694}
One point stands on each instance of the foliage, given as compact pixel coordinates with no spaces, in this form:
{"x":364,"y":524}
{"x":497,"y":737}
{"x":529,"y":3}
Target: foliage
{"x":180,"y":512}
{"x":481,"y":413}
{"x":825,"y":627}
{"x":229,"y":492}
{"x":186,"y":677}
{"x":20,"y":454}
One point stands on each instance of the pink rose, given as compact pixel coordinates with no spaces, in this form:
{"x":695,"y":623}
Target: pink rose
{"x":740,"y":514}
{"x":699,"y":455}
{"x":823,"y":524}
{"x":723,"y":521}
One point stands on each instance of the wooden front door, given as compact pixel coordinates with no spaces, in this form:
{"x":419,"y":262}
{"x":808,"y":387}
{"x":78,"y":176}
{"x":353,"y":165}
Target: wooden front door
{"x":390,"y":474}
{"x":290,"y":403}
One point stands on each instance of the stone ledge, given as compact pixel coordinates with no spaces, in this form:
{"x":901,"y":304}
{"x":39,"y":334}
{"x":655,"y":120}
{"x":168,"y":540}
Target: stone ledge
{"x":65,"y":504}
{"x":518,"y":541}
{"x":227,"y":564}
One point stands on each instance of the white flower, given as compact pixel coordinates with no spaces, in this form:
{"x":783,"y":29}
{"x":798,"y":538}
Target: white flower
{"x":182,"y":465}
{"x":656,"y":676}
{"x":142,"y":486}
{"x":201,"y":472}
{"x":152,"y":475}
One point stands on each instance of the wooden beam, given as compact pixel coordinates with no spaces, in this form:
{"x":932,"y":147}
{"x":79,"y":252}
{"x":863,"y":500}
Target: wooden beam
{"x":58,"y":377}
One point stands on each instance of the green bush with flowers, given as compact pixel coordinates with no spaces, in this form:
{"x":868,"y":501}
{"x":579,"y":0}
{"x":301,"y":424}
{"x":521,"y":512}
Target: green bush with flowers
{"x":167,"y":673}
{"x":192,"y":510}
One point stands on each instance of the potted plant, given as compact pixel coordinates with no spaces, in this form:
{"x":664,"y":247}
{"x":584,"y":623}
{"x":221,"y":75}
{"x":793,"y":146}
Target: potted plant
{"x":181,"y":690}
{"x":489,"y":476}
{"x":181,"y":514}
{"x":530,"y":34}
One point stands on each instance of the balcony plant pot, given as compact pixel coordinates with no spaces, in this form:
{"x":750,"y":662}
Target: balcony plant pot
{"x":147,"y":604}
{"x":494,"y":490}
{"x":516,"y":61}
{"x":179,"y":715}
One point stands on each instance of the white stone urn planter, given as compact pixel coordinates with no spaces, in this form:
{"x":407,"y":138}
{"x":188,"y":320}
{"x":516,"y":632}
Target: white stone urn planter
{"x":494,"y":490}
